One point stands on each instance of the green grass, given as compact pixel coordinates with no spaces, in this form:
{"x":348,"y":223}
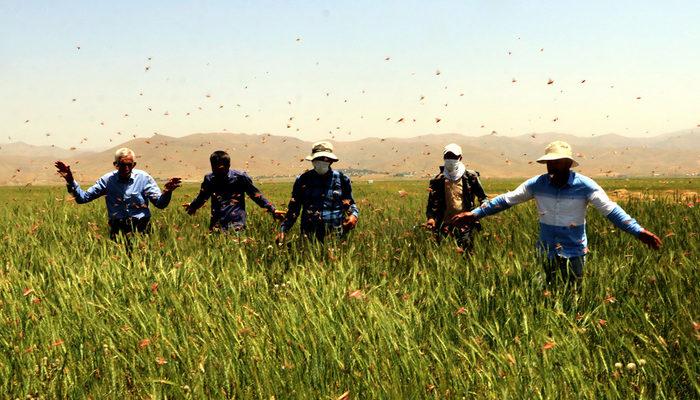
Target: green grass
{"x":229,"y":316}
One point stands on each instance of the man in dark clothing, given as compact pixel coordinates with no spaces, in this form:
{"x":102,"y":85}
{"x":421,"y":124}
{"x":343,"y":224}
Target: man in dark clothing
{"x":451,"y":192}
{"x":324,"y":198}
{"x":227,"y":189}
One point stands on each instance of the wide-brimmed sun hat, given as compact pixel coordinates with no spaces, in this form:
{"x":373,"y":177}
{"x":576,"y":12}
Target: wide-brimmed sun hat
{"x":322,"y":149}
{"x":556,"y":151}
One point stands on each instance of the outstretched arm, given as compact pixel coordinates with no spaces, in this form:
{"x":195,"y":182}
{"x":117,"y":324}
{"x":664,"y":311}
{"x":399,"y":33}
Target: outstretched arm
{"x":204,"y":195}
{"x":521,"y":194}
{"x":160,"y":199}
{"x":81,"y":197}
{"x":95,"y":191}
{"x":256,"y":195}
{"x":294,"y":206}
{"x":613,"y":212}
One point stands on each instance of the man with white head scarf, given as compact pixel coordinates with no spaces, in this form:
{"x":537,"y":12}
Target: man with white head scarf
{"x":451,"y":192}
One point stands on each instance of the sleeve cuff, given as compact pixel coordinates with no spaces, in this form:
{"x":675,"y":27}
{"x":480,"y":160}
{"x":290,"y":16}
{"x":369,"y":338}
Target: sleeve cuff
{"x":478,"y":212}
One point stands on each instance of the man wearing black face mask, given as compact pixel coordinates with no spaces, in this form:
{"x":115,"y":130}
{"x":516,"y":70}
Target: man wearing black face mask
{"x":127,"y":193}
{"x":324,"y":198}
{"x":227,"y":189}
{"x":451,"y":192}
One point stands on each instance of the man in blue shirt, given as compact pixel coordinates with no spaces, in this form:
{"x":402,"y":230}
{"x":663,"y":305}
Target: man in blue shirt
{"x":562,"y":196}
{"x":127,"y":193}
{"x":227,"y":189}
{"x":324,"y":198}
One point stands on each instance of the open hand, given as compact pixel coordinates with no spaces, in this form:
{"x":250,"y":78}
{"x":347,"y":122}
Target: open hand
{"x":172,"y":184}
{"x":462,"y":219}
{"x":650,"y":239}
{"x":64,"y":171}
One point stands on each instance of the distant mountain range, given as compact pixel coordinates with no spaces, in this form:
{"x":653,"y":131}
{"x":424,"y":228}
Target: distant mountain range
{"x":281,"y":157}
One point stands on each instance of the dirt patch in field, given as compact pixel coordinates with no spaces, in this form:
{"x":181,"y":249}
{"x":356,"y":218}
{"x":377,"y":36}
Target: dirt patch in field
{"x":678,"y":195}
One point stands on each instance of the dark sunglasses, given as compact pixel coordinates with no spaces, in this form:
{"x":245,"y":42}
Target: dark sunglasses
{"x":125,"y":165}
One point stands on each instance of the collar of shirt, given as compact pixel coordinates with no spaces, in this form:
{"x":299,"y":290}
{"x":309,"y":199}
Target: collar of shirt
{"x":569,"y":182}
{"x":114,"y":177}
{"x":232,"y":174}
{"x":122,"y":180}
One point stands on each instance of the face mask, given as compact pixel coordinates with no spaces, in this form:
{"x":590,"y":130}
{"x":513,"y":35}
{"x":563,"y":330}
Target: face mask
{"x":321,"y":167}
{"x":451,"y":165}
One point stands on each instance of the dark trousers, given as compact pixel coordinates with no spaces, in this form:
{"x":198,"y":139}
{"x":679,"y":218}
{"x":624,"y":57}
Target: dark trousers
{"x":571,"y":269}
{"x":322,"y":231}
{"x":128,"y":225}
{"x":227,"y":227}
{"x":464,"y":236}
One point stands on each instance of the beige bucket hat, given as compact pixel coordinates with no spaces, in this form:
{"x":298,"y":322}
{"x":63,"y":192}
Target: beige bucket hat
{"x":556,"y":151}
{"x":322,"y":149}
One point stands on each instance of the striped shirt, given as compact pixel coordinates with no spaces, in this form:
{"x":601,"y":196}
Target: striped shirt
{"x":562,"y":212}
{"x":125,"y":198}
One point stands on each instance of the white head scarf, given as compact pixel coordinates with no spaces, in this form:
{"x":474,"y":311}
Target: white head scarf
{"x":453,"y":169}
{"x":455,"y":173}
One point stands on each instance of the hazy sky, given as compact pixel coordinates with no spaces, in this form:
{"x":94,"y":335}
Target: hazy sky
{"x":88,"y":70}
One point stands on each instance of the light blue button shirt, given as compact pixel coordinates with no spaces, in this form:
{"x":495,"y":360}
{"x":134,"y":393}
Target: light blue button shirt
{"x":124,"y":198}
{"x":562,"y":211}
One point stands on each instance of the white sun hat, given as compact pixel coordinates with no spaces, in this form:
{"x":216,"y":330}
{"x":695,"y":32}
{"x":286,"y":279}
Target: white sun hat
{"x":452,"y":148}
{"x":322,"y":149}
{"x":556,"y":151}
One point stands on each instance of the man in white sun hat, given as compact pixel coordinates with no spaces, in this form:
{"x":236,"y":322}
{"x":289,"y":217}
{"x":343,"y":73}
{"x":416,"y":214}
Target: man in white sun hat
{"x":562,"y":196}
{"x":323,"y":196}
{"x":454,"y":190}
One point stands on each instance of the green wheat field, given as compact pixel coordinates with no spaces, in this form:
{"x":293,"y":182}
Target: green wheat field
{"x":389,"y":313}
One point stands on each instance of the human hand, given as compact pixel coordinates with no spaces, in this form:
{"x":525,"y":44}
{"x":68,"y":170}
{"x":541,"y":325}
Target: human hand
{"x":279,"y":239}
{"x":350,"y":223}
{"x":463,"y":218}
{"x":279,"y":215}
{"x":650,"y":239}
{"x":64,"y":171}
{"x":172,"y":184}
{"x":189,"y":210}
{"x":430,"y":224}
